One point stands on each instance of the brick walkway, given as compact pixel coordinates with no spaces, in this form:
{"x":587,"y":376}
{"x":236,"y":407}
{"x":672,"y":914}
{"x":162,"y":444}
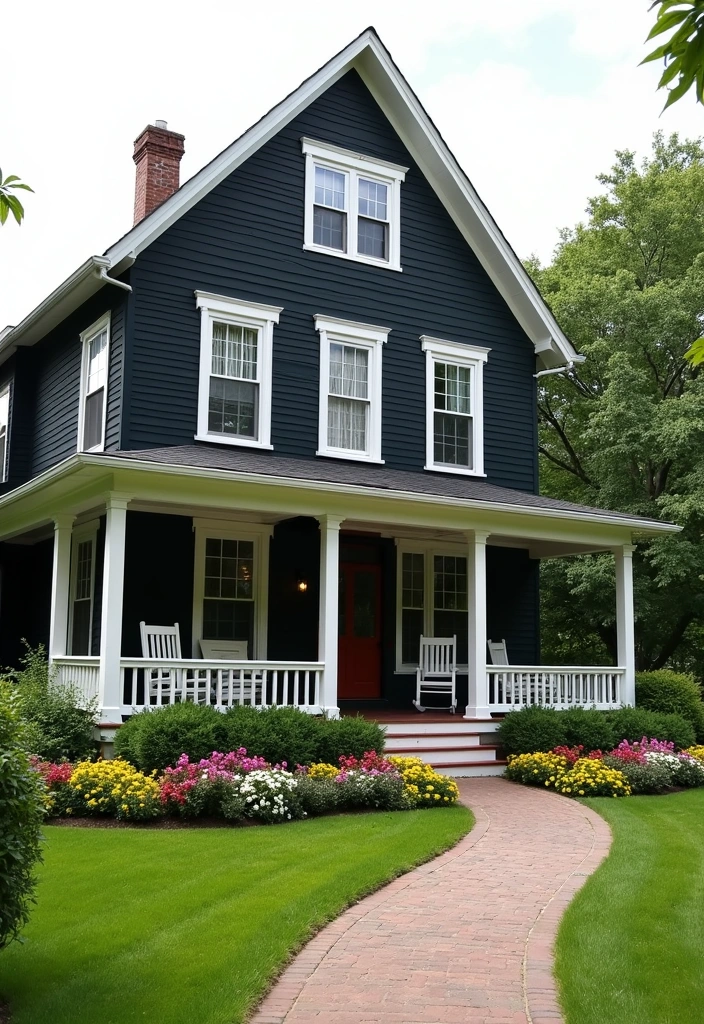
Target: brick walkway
{"x":465,"y":938}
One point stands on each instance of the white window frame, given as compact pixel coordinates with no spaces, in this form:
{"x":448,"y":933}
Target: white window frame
{"x":354,"y":166}
{"x":255,"y":316}
{"x":260,"y":536}
{"x":471,"y":356}
{"x":86,"y":533}
{"x":429,"y":549}
{"x":366,"y":336}
{"x":103,"y":324}
{"x":5,"y":393}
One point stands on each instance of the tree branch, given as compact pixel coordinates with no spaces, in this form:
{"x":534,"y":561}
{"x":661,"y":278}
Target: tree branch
{"x":673,"y":641}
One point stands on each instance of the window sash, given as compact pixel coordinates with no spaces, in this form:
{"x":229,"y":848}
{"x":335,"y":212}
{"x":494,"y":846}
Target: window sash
{"x":234,"y":351}
{"x":432,"y":599}
{"x":229,"y":590}
{"x":82,"y":593}
{"x":96,"y":361}
{"x":4,"y":427}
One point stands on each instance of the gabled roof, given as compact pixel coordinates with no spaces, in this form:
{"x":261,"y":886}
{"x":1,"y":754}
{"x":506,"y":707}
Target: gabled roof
{"x":370,"y":58}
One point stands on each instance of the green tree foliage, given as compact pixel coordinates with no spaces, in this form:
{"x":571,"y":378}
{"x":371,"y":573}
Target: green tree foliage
{"x":683,"y":53}
{"x":625,"y":430}
{"x":9,"y":202}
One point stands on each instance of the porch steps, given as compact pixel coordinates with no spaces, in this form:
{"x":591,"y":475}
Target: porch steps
{"x":452,"y":745}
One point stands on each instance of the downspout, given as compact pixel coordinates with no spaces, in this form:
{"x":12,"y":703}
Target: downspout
{"x":554,"y":369}
{"x":103,"y":275}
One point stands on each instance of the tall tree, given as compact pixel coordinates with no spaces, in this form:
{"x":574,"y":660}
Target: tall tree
{"x":683,"y":52}
{"x":625,"y":430}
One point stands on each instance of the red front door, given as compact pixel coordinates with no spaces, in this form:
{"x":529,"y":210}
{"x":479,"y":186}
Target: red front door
{"x":359,"y":652}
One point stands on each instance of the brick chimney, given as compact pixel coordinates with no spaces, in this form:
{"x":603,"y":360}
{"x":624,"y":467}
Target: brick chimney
{"x":157,"y":154}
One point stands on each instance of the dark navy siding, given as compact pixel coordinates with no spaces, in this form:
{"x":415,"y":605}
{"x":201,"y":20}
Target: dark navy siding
{"x":245,"y":239}
{"x":25,"y":598}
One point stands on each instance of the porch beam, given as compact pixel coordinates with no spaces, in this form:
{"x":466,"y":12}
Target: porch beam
{"x":478,"y":705}
{"x":60,"y":586}
{"x":109,"y":682}
{"x":625,"y":621}
{"x":328,"y":611}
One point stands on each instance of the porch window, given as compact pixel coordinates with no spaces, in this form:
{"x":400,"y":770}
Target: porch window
{"x":94,"y":381}
{"x":83,"y":544}
{"x":228,"y":602}
{"x":454,"y":406}
{"x":432,"y":594}
{"x":350,"y":389}
{"x":4,"y":429}
{"x":234,"y":404}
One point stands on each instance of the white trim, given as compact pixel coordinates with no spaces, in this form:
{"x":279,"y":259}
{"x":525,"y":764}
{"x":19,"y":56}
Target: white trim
{"x":60,"y":576}
{"x":328,"y":603}
{"x":5,"y":391}
{"x":625,"y":621}
{"x":259,"y":534}
{"x":109,"y":679}
{"x":253,"y":315}
{"x":367,"y":336}
{"x":472,"y":357}
{"x":354,"y":166}
{"x":103,"y":324}
{"x":81,"y":534}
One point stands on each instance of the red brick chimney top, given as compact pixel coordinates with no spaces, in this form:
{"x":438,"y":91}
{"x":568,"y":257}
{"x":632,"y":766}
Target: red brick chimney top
{"x":157,"y":154}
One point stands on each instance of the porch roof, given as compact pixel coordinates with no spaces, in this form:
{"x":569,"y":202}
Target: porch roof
{"x":375,"y":477}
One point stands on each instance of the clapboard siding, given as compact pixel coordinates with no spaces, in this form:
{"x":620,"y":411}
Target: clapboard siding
{"x":245,"y":239}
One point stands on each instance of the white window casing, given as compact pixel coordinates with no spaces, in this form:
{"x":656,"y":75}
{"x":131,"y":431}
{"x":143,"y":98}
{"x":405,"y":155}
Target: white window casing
{"x":4,"y":430}
{"x":82,"y":587}
{"x":462,"y":366}
{"x":350,"y":388}
{"x":93,"y":404}
{"x":236,"y":340}
{"x":256,"y":534}
{"x":363,"y":195}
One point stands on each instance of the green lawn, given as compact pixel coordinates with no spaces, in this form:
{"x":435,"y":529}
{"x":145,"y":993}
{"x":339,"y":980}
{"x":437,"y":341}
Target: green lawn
{"x":190,"y":925}
{"x":631,"y":945}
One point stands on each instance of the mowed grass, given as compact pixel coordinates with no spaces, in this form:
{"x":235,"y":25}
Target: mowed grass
{"x":631,"y":945}
{"x":187,"y":926}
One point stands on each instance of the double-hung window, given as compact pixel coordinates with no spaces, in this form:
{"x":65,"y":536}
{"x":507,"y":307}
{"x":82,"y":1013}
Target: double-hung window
{"x":4,"y":430}
{"x":454,"y":406}
{"x":350,"y":389}
{"x":432,"y":600}
{"x":83,"y":553}
{"x":353,"y":205}
{"x":94,"y":385}
{"x":234,"y":399}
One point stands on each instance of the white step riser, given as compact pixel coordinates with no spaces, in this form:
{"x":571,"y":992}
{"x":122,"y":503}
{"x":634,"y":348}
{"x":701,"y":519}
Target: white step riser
{"x":421,"y":728}
{"x":478,"y":771}
{"x":444,"y":756}
{"x":419,"y":742}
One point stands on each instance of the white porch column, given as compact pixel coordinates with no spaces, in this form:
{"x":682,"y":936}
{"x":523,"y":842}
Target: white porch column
{"x":110,"y":697}
{"x":328,"y":614}
{"x":478,"y":706}
{"x":60,"y":586}
{"x":625,"y":616}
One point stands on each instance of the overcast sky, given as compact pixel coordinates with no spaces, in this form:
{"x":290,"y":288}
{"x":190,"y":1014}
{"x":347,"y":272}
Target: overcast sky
{"x":533,"y":97}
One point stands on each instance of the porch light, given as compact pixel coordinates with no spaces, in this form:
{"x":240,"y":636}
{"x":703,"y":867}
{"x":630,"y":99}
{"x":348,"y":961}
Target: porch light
{"x":301,"y":583}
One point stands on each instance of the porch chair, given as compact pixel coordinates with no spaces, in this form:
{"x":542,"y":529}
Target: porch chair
{"x":436,"y":671}
{"x":161,"y":642}
{"x":233,"y":650}
{"x":498,"y":655}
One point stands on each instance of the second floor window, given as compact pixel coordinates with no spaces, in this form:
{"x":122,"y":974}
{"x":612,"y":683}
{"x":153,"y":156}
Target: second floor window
{"x":4,"y":430}
{"x":94,"y":386}
{"x":234,"y":403}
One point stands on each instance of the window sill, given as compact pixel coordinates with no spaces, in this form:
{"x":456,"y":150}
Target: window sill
{"x":354,"y":456}
{"x":241,"y":442}
{"x":454,"y":469}
{"x":369,"y":260}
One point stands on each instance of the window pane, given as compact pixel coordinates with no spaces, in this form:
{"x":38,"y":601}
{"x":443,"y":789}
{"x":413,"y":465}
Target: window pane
{"x":372,"y":199}
{"x":84,"y":570}
{"x":4,"y":410}
{"x":329,"y":228}
{"x":412,"y":580}
{"x":371,"y":238}
{"x":229,"y":620}
{"x":234,"y":351}
{"x":411,"y":631}
{"x":453,"y":388}
{"x":452,"y":440}
{"x":453,"y":624}
{"x":349,"y":371}
{"x":232,"y":407}
{"x":229,"y":569}
{"x":97,"y":362}
{"x":347,"y":424}
{"x":329,"y":188}
{"x":93,"y":420}
{"x":450,"y":583}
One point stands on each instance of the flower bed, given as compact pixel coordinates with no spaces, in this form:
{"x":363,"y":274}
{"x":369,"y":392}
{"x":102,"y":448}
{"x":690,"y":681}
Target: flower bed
{"x":235,"y":787}
{"x":646,"y":766}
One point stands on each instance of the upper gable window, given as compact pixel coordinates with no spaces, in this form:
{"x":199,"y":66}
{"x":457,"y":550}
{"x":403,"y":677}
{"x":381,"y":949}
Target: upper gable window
{"x":353,"y":205}
{"x":234,"y":394}
{"x":4,"y":430}
{"x":94,"y":384}
{"x":454,"y":406}
{"x":350,"y":389}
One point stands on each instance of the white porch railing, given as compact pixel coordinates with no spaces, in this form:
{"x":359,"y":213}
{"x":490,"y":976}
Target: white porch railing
{"x":82,"y":673}
{"x":516,"y":686}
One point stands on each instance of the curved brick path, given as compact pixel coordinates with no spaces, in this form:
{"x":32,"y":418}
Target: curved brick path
{"x":465,"y":938}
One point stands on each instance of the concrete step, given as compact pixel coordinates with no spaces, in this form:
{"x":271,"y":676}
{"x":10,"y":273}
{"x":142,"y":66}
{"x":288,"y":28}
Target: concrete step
{"x":471,"y":769}
{"x":410,"y":740}
{"x":449,"y":755}
{"x":453,"y":724}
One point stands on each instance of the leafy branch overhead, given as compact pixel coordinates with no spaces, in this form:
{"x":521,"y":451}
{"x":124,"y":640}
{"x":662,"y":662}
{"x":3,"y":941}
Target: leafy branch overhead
{"x":10,"y":203}
{"x":683,"y":52}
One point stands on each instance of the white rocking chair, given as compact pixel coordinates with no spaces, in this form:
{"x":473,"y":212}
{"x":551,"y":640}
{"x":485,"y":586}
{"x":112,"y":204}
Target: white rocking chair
{"x":249,"y":689}
{"x":437,"y":670}
{"x":497,"y":652}
{"x":162,"y":642}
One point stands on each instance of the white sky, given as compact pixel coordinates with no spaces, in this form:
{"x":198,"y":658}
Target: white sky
{"x":533,"y":97}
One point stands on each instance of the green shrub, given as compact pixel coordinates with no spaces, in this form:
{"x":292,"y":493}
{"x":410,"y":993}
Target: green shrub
{"x":633,"y":724}
{"x":588,"y":728}
{"x":349,"y":735}
{"x":671,"y":693}
{"x":277,"y":734}
{"x":156,"y":738}
{"x":21,"y":813}
{"x":57,"y":725}
{"x":317,"y":796}
{"x":532,"y":729}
